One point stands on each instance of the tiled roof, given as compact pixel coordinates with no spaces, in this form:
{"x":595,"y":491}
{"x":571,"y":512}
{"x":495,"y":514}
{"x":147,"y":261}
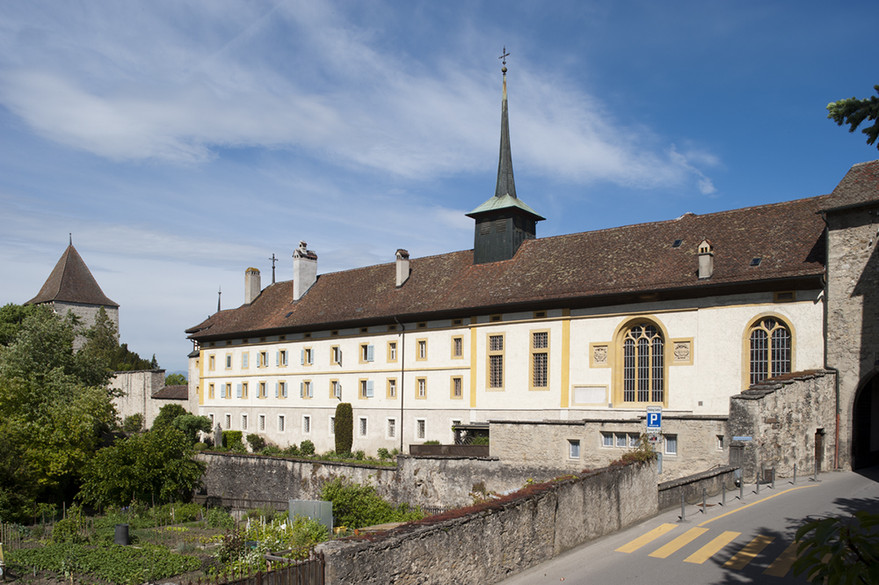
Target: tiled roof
{"x":176,"y":392}
{"x":72,"y":281}
{"x":860,"y":186}
{"x":590,"y":268}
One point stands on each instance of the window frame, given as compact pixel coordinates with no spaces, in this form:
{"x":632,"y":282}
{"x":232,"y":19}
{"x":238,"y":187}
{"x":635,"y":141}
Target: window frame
{"x":457,"y":347}
{"x":421,"y":388}
{"x":421,"y":349}
{"x":636,"y":363}
{"x":534,"y":353}
{"x":490,"y":386}
{"x":460,"y":382}
{"x":755,"y":324}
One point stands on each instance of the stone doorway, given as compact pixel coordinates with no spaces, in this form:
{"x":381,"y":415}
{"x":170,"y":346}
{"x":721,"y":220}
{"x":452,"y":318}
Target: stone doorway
{"x":865,"y":425}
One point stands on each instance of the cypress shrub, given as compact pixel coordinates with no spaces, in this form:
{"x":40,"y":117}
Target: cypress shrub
{"x":344,"y":427}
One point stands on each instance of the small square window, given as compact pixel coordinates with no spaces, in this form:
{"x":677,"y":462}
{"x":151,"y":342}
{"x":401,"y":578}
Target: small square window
{"x":573,"y":448}
{"x":306,"y":424}
{"x":228,"y":421}
{"x":420,"y":428}
{"x":607,"y":439}
{"x":720,"y":442}
{"x":363,"y":426}
{"x":621,"y":439}
{"x":392,"y":428}
{"x":243,"y":422}
{"x":634,"y":439}
{"x":281,"y":423}
{"x":671,"y":444}
{"x":262,"y":422}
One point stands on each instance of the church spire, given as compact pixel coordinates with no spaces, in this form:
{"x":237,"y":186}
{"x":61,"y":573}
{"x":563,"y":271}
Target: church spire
{"x":505,"y":183}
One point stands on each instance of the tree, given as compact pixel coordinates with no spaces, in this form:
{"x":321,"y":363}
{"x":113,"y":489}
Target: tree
{"x":839,"y":550}
{"x":191,"y":424}
{"x":853,"y":111}
{"x":167,"y":414}
{"x":344,"y":427}
{"x":175,"y":380}
{"x":55,"y":409}
{"x":153,"y":467}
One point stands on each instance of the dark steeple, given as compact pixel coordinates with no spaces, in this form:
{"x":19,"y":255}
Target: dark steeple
{"x":504,"y":221}
{"x":71,"y":281}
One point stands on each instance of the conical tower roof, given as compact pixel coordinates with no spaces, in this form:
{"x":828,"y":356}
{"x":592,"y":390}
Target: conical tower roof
{"x":71,"y":281}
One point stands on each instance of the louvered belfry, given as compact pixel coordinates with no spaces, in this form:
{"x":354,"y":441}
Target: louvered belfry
{"x":504,"y":221}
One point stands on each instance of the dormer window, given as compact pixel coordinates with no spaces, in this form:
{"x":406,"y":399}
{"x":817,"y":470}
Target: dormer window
{"x":756,"y":261}
{"x":677,"y":243}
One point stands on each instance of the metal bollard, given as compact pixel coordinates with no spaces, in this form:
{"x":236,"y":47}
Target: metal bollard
{"x":742,"y":489}
{"x":682,"y":506}
{"x":704,"y":504}
{"x":815,"y":478}
{"x":758,"y":484}
{"x":723,"y":494}
{"x":795,"y":474}
{"x":772,"y":485}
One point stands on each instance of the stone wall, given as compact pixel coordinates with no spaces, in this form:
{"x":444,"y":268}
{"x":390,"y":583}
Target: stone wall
{"x":504,"y":538}
{"x":781,"y":418}
{"x":852,"y":309}
{"x":700,"y":442}
{"x":87,"y":315}
{"x":137,"y":389}
{"x":444,"y":482}
{"x":712,"y":481}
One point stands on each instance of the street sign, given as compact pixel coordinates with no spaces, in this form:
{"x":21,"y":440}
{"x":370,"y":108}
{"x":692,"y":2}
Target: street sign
{"x":654,"y":419}
{"x":653,"y":438}
{"x":743,"y":439}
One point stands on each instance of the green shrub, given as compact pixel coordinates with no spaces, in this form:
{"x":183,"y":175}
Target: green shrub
{"x":359,"y":455}
{"x":219,"y":518}
{"x":480,"y":440}
{"x":256,"y":442}
{"x":383,"y":453}
{"x":200,"y":446}
{"x":306,"y":447}
{"x":232,"y":440}
{"x":67,"y":530}
{"x":344,"y":427}
{"x":271,"y":450}
{"x":431,"y":442}
{"x":642,"y":453}
{"x":291,"y":450}
{"x":355,"y":506}
{"x":133,"y":423}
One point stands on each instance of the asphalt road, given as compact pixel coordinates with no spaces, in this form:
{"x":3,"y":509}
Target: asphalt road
{"x":744,"y":541}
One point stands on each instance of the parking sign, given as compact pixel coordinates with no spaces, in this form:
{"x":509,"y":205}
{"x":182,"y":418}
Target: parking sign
{"x":654,"y":419}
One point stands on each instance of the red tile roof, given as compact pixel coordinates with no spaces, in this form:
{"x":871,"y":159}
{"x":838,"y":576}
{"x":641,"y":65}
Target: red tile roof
{"x":583,"y":269}
{"x":176,"y":392}
{"x":860,"y":186}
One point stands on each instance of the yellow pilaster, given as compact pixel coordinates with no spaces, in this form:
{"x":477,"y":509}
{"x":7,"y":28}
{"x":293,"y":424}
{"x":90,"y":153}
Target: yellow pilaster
{"x":566,"y":357}
{"x":472,"y":363}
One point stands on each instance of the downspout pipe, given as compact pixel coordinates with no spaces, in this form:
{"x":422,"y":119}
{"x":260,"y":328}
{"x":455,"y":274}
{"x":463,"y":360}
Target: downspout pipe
{"x":401,"y":390}
{"x":826,"y":365}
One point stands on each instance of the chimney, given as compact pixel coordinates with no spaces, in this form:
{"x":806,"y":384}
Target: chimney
{"x":304,"y":270}
{"x":402,"y":267}
{"x":251,"y":285}
{"x":706,"y":260}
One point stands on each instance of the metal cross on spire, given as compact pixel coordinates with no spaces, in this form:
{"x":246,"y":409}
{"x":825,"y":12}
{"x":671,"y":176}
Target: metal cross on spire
{"x":273,"y":259}
{"x":504,"y":60}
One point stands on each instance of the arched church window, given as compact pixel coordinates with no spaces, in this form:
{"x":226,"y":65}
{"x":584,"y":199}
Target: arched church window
{"x":770,"y":344}
{"x":643,"y":364}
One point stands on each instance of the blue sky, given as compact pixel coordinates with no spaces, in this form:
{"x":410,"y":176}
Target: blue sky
{"x":182,"y":142}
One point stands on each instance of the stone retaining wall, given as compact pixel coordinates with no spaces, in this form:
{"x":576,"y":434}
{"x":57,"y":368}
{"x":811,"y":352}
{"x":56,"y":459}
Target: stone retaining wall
{"x":783,"y":420}
{"x":444,"y":482}
{"x":712,"y":481}
{"x":490,"y":544}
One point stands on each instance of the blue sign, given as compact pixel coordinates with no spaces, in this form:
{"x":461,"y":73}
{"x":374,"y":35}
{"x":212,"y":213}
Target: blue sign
{"x":654,"y":418}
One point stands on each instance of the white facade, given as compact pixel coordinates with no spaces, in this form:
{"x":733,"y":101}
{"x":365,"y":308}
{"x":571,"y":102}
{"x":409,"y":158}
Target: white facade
{"x":415,"y":382}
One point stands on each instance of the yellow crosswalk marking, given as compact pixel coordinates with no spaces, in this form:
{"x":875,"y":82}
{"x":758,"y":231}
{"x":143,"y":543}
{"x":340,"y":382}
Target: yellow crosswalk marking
{"x":634,"y":545}
{"x":782,"y":564}
{"x":712,"y":548}
{"x":747,"y":554}
{"x":675,"y":545}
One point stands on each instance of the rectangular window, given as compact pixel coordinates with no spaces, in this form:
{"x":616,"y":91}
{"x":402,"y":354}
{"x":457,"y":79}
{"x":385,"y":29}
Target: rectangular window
{"x":362,"y":426}
{"x":634,"y":439}
{"x":421,"y":346}
{"x":366,"y":389}
{"x":671,"y":444}
{"x":262,"y":390}
{"x":307,"y":356}
{"x":421,"y":388}
{"x":210,"y":391}
{"x":262,"y":359}
{"x":392,"y":351}
{"x":281,"y":423}
{"x":282,"y":389}
{"x":306,"y":424}
{"x":245,"y":359}
{"x":211,"y":362}
{"x":262,"y":422}
{"x":228,"y":421}
{"x":720,"y":442}
{"x":244,"y":389}
{"x":457,"y":387}
{"x":607,"y":439}
{"x":496,"y":361}
{"x":228,"y":392}
{"x":539,"y":360}
{"x":305,"y":389}
{"x":392,"y":428}
{"x":335,"y":389}
{"x":211,"y":417}
{"x":457,"y":347}
{"x":573,"y":448}
{"x":621,"y":440}
{"x":392,"y":387}
{"x":243,"y":422}
{"x":367,"y":353}
{"x":332,"y":425}
{"x":282,"y":357}
{"x":336,"y":355}
{"x":228,"y":361}
{"x":420,"y":428}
